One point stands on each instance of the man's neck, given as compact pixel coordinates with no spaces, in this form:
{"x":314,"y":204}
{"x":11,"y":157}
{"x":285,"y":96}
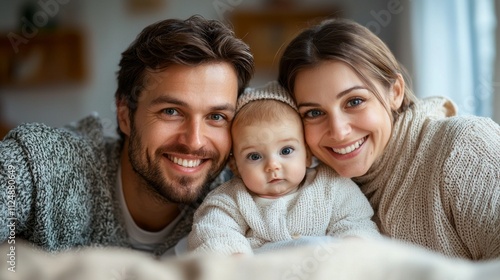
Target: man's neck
{"x":148,"y":212}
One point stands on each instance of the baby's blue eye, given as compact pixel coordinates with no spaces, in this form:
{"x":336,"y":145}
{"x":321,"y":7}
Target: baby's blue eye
{"x":254,"y":156}
{"x":287,"y":150}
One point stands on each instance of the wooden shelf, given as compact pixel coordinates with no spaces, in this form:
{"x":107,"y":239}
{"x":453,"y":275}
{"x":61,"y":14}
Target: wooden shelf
{"x":49,"y":58}
{"x":268,"y":31}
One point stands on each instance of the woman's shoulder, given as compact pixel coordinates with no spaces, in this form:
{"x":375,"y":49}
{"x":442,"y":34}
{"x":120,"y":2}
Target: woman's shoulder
{"x":471,"y":127}
{"x":435,"y":107}
{"x":439,"y":119}
{"x":474,"y":143}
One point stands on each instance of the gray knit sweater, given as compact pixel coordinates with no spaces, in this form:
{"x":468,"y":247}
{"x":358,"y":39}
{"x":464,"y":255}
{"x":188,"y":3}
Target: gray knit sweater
{"x":58,"y":186}
{"x":438,"y":183}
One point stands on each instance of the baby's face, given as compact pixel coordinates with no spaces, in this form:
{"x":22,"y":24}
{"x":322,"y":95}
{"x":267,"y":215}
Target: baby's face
{"x":271,"y":156}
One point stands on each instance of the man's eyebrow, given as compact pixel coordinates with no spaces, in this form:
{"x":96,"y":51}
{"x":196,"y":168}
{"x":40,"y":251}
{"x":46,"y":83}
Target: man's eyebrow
{"x":224,"y":107}
{"x":167,"y":99}
{"x":175,"y":101}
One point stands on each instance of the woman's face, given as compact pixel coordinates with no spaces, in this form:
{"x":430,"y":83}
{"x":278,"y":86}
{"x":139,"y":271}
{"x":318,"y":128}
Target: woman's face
{"x":346,"y":126}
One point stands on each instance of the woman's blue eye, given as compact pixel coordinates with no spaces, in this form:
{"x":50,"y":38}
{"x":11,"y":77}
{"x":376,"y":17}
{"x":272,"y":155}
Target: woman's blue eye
{"x":254,"y":156}
{"x":313,"y":113}
{"x":354,"y":102}
{"x":287,"y":150}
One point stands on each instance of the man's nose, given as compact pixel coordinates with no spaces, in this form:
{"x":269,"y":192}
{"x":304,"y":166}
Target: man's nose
{"x":193,"y":134}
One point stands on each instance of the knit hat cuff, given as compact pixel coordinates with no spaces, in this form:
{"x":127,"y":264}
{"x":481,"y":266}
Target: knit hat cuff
{"x":272,"y":90}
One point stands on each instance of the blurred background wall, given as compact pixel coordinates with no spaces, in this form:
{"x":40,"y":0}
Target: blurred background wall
{"x":58,"y":58}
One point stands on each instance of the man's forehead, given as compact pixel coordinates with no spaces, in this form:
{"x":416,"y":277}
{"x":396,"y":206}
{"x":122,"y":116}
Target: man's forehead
{"x":215,"y":85}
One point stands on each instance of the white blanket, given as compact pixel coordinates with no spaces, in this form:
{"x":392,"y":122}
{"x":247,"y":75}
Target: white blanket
{"x":348,"y":259}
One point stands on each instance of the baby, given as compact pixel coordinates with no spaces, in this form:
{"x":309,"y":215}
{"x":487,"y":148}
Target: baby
{"x":275,"y":198}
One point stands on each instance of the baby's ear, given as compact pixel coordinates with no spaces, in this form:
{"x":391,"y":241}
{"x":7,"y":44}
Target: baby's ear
{"x":232,"y":165}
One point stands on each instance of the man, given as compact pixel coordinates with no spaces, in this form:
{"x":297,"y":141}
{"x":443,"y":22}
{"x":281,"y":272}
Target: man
{"x":177,"y":88}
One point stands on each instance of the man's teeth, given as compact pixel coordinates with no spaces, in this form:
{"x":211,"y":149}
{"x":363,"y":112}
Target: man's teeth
{"x":185,"y":162}
{"x":349,"y":149}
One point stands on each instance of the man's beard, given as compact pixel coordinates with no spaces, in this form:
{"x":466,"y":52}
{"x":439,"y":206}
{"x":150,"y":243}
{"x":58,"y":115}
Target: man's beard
{"x":179,"y":189}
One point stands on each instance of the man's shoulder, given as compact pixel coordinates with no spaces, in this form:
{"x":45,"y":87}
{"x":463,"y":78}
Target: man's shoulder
{"x":88,"y":130}
{"x":80,"y":146}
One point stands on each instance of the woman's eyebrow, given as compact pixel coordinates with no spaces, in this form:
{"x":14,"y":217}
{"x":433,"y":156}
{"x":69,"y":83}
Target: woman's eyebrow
{"x":338,"y":96}
{"x":344,"y":92}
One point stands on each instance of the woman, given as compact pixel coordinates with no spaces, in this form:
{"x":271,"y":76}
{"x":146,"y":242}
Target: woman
{"x":432,"y":178}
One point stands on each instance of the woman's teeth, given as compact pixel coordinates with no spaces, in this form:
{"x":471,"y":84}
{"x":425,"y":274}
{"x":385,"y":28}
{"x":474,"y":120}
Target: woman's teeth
{"x":350,"y":148}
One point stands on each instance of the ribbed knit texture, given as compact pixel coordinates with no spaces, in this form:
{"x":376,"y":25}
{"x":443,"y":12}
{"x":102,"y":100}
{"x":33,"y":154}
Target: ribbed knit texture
{"x":438,"y":183}
{"x":271,"y":90}
{"x":229,"y":221}
{"x":65,"y":181}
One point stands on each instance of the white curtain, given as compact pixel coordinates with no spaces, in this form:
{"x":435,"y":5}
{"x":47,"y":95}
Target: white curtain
{"x":454,"y":52}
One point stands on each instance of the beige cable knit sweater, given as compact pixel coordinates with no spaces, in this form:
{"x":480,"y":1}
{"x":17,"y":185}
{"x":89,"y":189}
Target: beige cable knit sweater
{"x":438,"y":183}
{"x":230,"y":221}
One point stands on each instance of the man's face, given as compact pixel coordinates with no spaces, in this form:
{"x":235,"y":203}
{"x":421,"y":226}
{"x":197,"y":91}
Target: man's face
{"x":179,"y":137}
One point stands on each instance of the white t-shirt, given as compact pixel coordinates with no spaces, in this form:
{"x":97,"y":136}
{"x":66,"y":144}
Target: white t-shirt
{"x":139,"y":238}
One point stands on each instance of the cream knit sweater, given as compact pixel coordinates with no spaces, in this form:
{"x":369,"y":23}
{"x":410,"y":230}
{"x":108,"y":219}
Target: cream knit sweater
{"x":438,"y":183}
{"x":230,"y":221}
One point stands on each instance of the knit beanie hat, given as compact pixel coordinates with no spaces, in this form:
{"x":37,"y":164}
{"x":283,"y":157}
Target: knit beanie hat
{"x":271,"y":90}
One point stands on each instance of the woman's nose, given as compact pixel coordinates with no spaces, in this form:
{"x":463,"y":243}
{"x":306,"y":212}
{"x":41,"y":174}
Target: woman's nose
{"x":339,"y":127}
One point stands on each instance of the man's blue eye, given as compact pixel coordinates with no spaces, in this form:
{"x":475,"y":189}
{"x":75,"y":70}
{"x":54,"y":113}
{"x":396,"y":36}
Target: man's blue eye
{"x":217,"y":117}
{"x":170,"y":111}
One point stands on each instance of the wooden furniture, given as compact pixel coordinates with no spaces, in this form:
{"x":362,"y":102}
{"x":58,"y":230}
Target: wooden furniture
{"x":51,"y":57}
{"x":268,"y":31}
